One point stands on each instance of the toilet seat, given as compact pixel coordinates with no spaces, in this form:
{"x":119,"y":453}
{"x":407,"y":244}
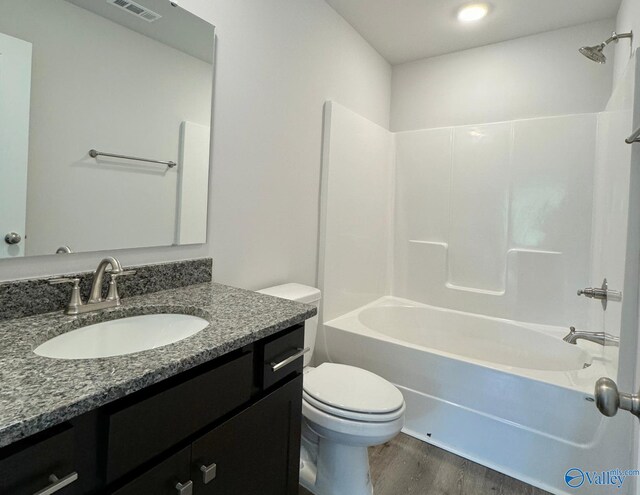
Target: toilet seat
{"x":353,"y":415}
{"x":352,"y":393}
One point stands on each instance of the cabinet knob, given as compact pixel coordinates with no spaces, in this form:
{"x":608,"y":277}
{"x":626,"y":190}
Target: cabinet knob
{"x":185,"y":488}
{"x":208,"y":473}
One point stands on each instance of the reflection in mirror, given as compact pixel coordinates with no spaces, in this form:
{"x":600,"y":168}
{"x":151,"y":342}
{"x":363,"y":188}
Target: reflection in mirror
{"x":132,"y":79}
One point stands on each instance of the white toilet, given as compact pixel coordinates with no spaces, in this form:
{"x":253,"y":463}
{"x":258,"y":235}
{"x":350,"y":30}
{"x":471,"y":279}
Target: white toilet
{"x":345,"y":410}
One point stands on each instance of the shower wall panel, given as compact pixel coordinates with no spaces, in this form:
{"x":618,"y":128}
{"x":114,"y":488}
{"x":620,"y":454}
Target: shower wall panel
{"x":611,"y":199}
{"x":477,"y":228}
{"x":356,"y":211}
{"x":496,"y":218}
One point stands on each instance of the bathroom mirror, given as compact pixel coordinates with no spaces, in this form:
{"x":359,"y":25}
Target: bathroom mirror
{"x":132,"y":79}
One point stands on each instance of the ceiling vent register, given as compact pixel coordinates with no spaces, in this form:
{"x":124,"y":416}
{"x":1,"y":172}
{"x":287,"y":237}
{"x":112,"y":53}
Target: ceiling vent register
{"x":136,"y":9}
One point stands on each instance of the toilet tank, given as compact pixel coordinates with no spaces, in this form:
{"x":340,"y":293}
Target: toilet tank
{"x":304,"y":294}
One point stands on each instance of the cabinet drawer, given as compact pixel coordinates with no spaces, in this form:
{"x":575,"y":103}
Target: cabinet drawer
{"x":26,"y":468}
{"x":279,"y":350}
{"x":147,"y":428}
{"x":161,"y":479}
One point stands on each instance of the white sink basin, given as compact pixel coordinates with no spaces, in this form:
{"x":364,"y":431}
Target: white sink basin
{"x":124,"y":336}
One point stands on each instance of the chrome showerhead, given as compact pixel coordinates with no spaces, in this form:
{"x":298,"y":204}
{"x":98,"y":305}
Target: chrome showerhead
{"x":595,"y":53}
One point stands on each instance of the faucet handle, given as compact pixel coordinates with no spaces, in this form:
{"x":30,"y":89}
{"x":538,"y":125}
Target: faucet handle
{"x":113,"y":286}
{"x":76,"y":299}
{"x":124,"y":273}
{"x":64,"y":280}
{"x":121,"y":273}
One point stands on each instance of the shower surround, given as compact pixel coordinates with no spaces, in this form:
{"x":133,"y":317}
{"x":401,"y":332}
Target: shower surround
{"x":440,"y":248}
{"x":495,"y":219}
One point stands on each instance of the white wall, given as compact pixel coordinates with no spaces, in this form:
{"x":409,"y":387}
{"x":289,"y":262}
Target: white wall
{"x":535,"y":76}
{"x":90,"y":79}
{"x":628,"y":19}
{"x":278,"y":61}
{"x":356,"y":212}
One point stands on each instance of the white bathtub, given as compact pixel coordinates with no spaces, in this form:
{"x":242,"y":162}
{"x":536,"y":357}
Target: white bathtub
{"x":508,"y":395}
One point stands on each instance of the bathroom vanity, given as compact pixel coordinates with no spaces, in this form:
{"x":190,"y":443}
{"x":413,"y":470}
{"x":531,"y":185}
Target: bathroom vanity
{"x":217,"y":413}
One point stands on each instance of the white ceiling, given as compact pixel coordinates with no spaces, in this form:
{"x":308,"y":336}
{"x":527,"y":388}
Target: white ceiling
{"x":404,"y":30}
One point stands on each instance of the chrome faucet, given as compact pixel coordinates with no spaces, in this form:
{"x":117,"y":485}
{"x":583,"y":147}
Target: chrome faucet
{"x":601,"y":338}
{"x":96,"y":302}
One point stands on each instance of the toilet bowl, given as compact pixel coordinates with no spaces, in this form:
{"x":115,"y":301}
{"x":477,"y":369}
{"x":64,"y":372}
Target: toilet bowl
{"x":345,"y":410}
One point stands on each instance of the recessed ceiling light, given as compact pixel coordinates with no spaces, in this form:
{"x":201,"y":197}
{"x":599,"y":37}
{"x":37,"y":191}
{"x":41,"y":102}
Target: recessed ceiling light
{"x":473,"y":12}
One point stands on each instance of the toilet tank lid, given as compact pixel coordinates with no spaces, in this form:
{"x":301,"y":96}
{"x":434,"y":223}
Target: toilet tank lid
{"x":294,"y":292}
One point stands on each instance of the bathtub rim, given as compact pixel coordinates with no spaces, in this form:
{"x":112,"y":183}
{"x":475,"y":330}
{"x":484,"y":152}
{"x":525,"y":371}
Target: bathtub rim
{"x":603,"y":360}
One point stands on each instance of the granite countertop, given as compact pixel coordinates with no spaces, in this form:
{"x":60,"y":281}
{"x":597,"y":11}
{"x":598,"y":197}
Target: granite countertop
{"x":37,"y":392}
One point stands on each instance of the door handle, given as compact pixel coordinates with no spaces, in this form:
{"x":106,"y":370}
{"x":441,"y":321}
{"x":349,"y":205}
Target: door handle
{"x":609,"y":400}
{"x":12,"y":238}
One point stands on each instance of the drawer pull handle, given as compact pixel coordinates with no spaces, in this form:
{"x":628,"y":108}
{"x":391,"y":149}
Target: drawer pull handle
{"x":208,"y":473}
{"x":299,"y":353}
{"x":58,"y":484}
{"x":185,"y":488}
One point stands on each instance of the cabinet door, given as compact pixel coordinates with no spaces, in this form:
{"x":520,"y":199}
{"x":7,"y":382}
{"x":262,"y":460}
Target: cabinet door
{"x":162,"y":479}
{"x":256,"y":452}
{"x":28,"y":467}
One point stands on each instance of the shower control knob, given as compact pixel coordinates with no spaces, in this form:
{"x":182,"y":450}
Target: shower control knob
{"x":609,"y":400}
{"x":593,"y":293}
{"x":603,"y":293}
{"x":12,"y":238}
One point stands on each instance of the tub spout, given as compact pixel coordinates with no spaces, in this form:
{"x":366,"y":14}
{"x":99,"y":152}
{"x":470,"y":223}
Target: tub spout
{"x":601,"y":338}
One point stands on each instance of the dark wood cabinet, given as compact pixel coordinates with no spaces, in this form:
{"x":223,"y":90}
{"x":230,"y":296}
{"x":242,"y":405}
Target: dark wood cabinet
{"x":26,"y":468}
{"x":173,"y":414}
{"x":256,"y":452}
{"x":228,"y":427}
{"x":162,"y":479}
